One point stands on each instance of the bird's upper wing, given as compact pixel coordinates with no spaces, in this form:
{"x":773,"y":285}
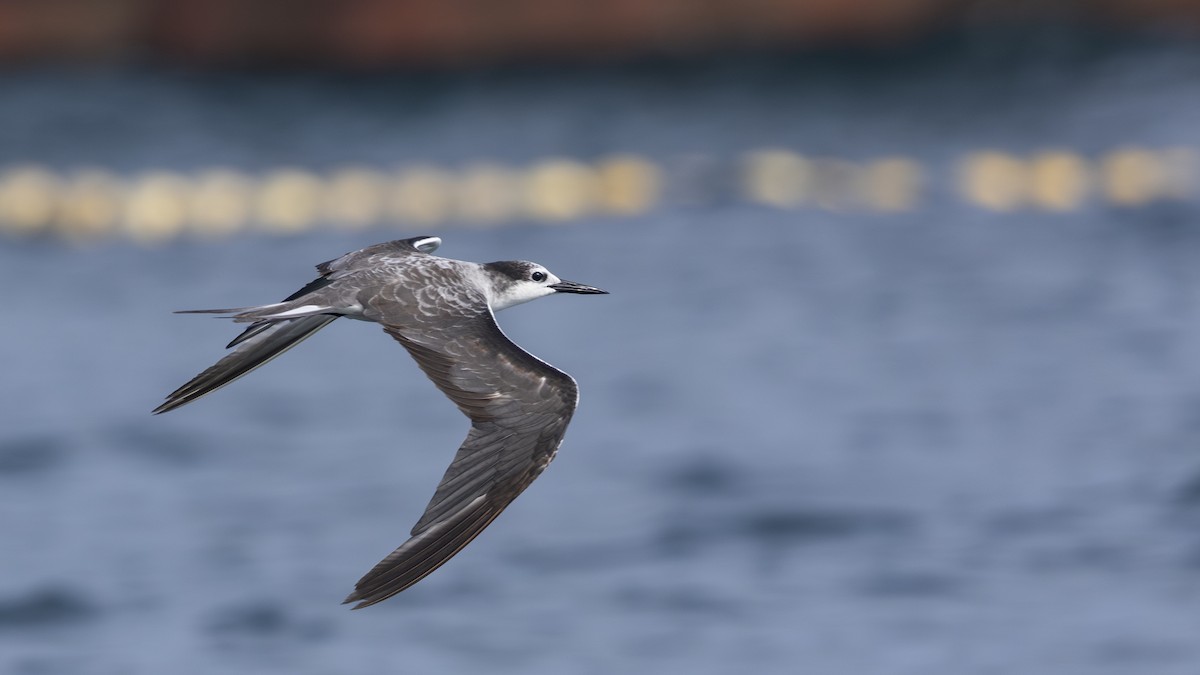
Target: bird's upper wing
{"x":519,"y":408}
{"x":366,"y":257}
{"x":330,"y":270}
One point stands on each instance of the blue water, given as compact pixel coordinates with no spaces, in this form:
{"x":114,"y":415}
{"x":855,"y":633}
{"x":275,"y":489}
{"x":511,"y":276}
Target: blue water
{"x":941,"y":442}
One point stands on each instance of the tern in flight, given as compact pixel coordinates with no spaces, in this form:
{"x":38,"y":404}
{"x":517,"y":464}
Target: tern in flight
{"x":441,"y":310}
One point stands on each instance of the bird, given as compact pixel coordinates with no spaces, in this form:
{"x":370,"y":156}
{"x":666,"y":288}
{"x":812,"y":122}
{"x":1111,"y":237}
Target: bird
{"x":443,"y":312}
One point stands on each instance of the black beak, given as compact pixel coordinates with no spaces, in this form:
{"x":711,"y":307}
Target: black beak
{"x":572,"y":287}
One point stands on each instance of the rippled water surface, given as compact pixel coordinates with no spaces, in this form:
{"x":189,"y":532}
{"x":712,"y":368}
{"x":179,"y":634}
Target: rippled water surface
{"x":940,"y":442}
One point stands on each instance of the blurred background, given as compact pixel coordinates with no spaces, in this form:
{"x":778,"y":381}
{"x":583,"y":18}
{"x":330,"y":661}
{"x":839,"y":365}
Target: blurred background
{"x":900,"y":372}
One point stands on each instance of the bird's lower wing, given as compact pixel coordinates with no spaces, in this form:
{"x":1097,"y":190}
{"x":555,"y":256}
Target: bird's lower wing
{"x":253,"y":350}
{"x":427,"y":551}
{"x":519,"y":409}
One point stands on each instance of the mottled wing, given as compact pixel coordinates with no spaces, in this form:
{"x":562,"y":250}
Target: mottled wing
{"x":346,"y":264}
{"x":519,"y":408}
{"x":367,"y":257}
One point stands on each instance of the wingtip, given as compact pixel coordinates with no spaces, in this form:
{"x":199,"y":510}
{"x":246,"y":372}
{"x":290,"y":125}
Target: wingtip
{"x":173,"y":401}
{"x":355,"y":597}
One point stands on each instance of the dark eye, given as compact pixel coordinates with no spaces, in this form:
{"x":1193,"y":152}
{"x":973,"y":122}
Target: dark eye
{"x":538,"y":276}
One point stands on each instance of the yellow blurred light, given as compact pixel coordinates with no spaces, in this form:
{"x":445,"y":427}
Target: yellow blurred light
{"x":561,"y":189}
{"x":28,"y":199}
{"x":355,"y":197}
{"x":421,"y":196}
{"x":778,"y":178}
{"x":995,"y":180}
{"x":628,"y":184}
{"x":219,"y":202}
{"x":1059,"y":180}
{"x":91,"y":203}
{"x":289,"y":200}
{"x":156,"y":206}
{"x":1134,"y":176}
{"x":488,"y":193}
{"x":892,"y":184}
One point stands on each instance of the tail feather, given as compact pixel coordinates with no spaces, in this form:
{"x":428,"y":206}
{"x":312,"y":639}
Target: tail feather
{"x":263,"y":316}
{"x":260,"y":343}
{"x":231,"y":311}
{"x":288,"y":309}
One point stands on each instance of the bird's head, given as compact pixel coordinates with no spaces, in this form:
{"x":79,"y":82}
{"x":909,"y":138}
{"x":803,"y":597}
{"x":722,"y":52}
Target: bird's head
{"x":517,"y":281}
